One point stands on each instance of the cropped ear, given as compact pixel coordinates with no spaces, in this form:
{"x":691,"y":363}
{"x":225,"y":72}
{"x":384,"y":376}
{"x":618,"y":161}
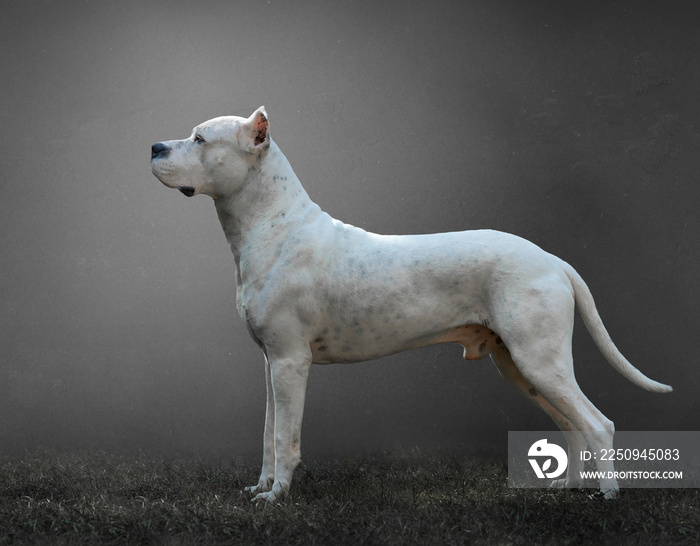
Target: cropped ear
{"x":255,"y":133}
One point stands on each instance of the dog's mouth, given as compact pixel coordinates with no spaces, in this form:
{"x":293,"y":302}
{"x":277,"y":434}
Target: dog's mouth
{"x":187,"y":190}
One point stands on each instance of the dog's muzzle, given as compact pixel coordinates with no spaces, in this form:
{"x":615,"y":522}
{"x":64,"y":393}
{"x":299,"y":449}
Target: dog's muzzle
{"x":159,"y":151}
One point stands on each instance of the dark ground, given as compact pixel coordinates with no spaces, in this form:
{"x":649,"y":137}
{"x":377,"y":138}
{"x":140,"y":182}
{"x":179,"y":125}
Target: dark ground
{"x":389,"y":498}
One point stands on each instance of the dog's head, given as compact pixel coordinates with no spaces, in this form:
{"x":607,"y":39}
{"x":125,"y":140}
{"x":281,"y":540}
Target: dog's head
{"x":217,"y":156}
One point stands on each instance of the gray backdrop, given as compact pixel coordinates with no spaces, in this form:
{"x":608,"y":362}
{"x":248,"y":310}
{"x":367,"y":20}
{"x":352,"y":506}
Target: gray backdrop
{"x":574,"y":125}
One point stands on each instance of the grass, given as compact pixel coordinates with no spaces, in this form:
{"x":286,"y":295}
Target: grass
{"x":391,"y":498}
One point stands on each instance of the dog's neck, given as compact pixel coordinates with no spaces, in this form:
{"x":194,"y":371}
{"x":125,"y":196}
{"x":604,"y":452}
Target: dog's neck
{"x":265,"y":210}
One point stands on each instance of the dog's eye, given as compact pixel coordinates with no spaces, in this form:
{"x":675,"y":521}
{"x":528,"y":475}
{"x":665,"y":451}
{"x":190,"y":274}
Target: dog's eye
{"x":198,"y":139}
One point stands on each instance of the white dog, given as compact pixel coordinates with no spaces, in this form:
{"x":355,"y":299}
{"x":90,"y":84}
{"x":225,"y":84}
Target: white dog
{"x":312,"y":289}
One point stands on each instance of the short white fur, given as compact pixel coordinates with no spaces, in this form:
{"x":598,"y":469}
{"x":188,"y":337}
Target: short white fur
{"x":312,"y":289}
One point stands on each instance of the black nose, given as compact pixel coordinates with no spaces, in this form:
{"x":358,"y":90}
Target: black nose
{"x":159,"y":150}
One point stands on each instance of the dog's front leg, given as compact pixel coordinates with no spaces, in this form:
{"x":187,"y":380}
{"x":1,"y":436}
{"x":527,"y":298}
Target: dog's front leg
{"x":289,"y":376}
{"x":267,"y":474}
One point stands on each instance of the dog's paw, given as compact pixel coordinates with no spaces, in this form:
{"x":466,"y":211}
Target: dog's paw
{"x":264,"y":485}
{"x":564,"y":483}
{"x":266,"y":496}
{"x":277,"y":493}
{"x":610,"y":494}
{"x":558,"y":484}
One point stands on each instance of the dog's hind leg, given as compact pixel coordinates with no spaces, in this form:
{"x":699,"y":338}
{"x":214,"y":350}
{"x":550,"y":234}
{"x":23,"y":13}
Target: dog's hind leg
{"x":575,"y":440}
{"x":548,"y":368}
{"x":536,"y":322}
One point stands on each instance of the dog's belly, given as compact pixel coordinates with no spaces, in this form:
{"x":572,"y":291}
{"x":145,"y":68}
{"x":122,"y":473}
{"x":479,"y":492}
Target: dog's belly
{"x":477,"y":340}
{"x":368,"y":319}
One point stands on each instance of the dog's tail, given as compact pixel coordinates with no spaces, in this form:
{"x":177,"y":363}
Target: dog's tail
{"x":594,"y":324}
